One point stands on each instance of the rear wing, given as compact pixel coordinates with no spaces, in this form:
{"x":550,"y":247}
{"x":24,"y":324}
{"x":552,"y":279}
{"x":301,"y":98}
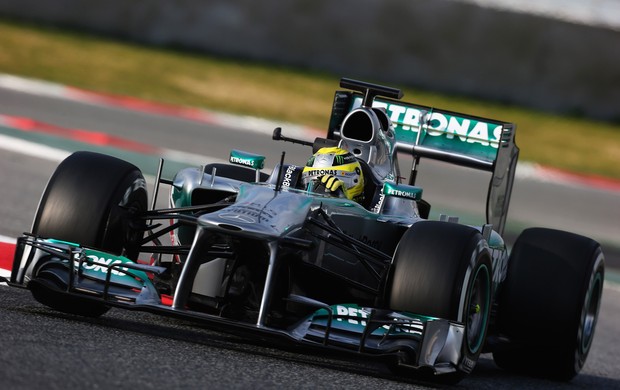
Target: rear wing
{"x":466,"y":140}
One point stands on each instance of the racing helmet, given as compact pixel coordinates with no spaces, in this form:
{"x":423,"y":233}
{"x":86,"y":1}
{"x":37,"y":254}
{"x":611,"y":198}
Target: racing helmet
{"x":340,"y":164}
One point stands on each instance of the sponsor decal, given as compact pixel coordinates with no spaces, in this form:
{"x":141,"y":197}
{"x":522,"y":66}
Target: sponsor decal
{"x":468,"y":364}
{"x":321,"y":172}
{"x":247,"y":159}
{"x":357,"y":316}
{"x":443,"y":125}
{"x":288,"y":175}
{"x":377,"y":207}
{"x":402,"y":192}
{"x":242,"y":161}
{"x":322,"y":160}
{"x":101,"y":264}
{"x":352,"y":312}
{"x":500,"y":265}
{"x":313,"y":173}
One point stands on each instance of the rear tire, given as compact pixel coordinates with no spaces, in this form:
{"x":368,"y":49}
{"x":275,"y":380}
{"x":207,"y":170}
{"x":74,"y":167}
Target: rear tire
{"x":90,"y":200}
{"x":444,"y":270}
{"x":549,"y":303}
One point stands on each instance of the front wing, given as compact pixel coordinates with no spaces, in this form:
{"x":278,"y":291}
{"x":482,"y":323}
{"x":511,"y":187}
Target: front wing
{"x":413,"y":341}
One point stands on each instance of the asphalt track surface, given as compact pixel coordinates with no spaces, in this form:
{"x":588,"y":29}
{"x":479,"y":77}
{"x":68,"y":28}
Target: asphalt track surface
{"x":40,"y":348}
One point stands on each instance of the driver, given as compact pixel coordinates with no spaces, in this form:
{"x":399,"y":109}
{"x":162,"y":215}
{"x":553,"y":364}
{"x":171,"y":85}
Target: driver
{"x":334,"y":171}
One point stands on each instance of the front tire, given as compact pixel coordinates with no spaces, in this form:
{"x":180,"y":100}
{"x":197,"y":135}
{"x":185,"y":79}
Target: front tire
{"x":90,"y":200}
{"x":444,"y":270}
{"x":550,"y":302}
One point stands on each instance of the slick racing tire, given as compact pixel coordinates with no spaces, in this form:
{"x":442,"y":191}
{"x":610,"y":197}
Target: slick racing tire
{"x":549,"y":303}
{"x":443,"y":269}
{"x":90,"y":200}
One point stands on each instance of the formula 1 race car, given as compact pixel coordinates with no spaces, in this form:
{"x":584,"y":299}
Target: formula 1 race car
{"x":271,"y":255}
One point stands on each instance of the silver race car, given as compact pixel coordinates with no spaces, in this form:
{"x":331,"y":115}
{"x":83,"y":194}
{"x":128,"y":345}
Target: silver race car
{"x":283,"y":255}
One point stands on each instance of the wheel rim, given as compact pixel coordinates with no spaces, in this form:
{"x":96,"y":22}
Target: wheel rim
{"x":592,"y":307}
{"x":477,"y":314}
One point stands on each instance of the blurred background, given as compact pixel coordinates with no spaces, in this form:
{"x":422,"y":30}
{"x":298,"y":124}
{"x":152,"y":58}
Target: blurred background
{"x":557,"y":55}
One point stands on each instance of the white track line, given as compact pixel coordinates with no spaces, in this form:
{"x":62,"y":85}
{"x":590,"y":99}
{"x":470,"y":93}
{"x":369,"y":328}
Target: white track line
{"x":234,"y":122}
{"x":32,"y":149}
{"x":7,"y":239}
